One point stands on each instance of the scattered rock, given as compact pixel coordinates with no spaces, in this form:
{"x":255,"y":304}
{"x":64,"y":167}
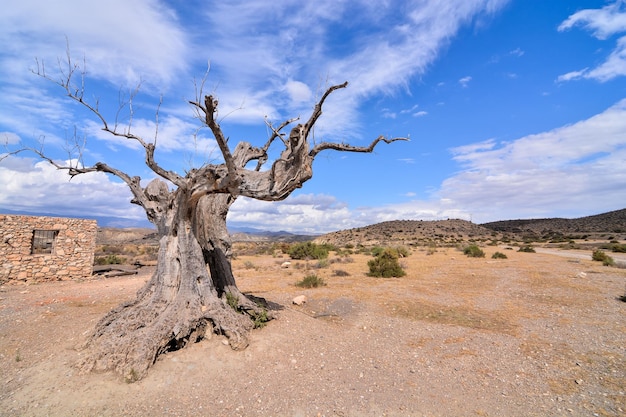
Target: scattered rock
{"x":285,"y":265}
{"x":299,"y":300}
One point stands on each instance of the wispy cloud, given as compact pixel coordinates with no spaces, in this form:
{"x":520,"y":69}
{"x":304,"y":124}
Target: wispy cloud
{"x":560,"y":169}
{"x":465,"y":81}
{"x":603,"y":23}
{"x":100,"y":33}
{"x":262,"y":47}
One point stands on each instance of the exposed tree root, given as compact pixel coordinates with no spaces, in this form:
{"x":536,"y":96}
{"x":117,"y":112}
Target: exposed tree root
{"x":130,"y":338}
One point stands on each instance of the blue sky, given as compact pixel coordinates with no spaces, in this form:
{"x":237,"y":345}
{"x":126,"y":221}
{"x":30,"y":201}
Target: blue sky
{"x":515,"y":108}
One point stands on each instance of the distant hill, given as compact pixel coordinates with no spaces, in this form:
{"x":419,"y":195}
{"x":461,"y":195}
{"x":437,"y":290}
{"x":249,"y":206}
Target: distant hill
{"x":601,"y":226}
{"x":613,"y":222}
{"x":407,"y":232}
{"x":148,"y":236}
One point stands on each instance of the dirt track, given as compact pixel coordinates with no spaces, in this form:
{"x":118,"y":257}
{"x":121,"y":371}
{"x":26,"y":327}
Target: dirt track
{"x":525,"y":336}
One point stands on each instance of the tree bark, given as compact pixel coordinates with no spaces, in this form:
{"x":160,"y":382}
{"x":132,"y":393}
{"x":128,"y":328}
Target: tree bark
{"x":182,"y":301}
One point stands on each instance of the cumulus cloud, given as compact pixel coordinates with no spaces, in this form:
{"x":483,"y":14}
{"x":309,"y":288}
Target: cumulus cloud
{"x":298,"y":91}
{"x":312,"y":213}
{"x":37,"y":186}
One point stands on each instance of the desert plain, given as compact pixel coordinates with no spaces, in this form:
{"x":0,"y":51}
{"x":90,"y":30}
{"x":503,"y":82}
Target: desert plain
{"x":536,"y":334}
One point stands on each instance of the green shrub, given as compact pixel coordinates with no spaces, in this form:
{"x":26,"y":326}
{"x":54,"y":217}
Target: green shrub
{"x":311,"y":281}
{"x":109,"y":260}
{"x":308,"y":250}
{"x":386,"y":265}
{"x":527,"y":248}
{"x":232,"y":300}
{"x":620,"y":248}
{"x":260,"y":319}
{"x":498,"y":255}
{"x":601,"y":256}
{"x":377,"y":250}
{"x":473,"y":251}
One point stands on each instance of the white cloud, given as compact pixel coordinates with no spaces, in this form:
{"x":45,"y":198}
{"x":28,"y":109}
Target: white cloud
{"x":9,"y":138}
{"x":465,"y":81}
{"x":613,"y":66}
{"x":312,"y":213}
{"x":121,"y":41}
{"x":577,"y":165}
{"x":388,"y":114}
{"x":421,"y":113}
{"x":411,"y":110}
{"x":572,"y":75}
{"x":604,"y":22}
{"x":262,"y":46}
{"x":298,"y":91}
{"x":37,"y":186}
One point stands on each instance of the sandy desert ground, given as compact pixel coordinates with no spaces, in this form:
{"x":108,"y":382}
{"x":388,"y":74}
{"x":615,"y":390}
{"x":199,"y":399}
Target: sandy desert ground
{"x":536,"y":334}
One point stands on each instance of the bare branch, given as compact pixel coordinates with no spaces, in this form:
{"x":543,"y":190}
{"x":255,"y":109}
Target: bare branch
{"x":349,"y":148}
{"x":209,"y":110}
{"x":317,"y":111}
{"x":77,"y":94}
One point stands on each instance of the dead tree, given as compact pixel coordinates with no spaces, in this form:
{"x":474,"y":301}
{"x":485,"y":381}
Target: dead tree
{"x":193,"y":290}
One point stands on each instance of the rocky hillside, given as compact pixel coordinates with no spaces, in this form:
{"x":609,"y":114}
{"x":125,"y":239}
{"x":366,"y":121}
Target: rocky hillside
{"x":130,"y":236}
{"x":407,"y":232}
{"x":611,"y":226}
{"x":611,"y":223}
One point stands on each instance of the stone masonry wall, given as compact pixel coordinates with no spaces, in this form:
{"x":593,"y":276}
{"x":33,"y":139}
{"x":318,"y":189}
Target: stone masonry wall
{"x":72,"y":252}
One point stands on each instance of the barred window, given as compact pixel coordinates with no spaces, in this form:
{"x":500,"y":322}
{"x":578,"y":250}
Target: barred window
{"x":43,"y":241}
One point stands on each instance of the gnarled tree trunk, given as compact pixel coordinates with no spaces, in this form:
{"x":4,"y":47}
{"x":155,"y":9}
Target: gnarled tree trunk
{"x":182,"y":301}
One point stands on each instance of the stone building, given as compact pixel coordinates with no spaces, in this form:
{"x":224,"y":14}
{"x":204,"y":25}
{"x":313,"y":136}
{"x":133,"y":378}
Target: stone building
{"x":36,"y":249}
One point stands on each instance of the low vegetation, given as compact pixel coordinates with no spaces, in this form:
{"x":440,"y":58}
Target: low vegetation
{"x":386,"y":264}
{"x":601,"y":256}
{"x":498,"y":255}
{"x":308,"y":250}
{"x":311,"y":281}
{"x":473,"y":251}
{"x":109,"y":260}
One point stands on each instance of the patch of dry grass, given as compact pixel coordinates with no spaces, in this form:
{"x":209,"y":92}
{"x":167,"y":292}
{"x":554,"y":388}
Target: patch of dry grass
{"x":456,"y":315}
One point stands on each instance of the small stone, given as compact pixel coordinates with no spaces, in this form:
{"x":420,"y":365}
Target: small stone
{"x":579,"y":381}
{"x":299,"y":300}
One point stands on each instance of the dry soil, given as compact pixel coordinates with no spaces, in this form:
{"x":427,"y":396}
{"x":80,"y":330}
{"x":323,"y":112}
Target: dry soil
{"x":532,"y":335}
